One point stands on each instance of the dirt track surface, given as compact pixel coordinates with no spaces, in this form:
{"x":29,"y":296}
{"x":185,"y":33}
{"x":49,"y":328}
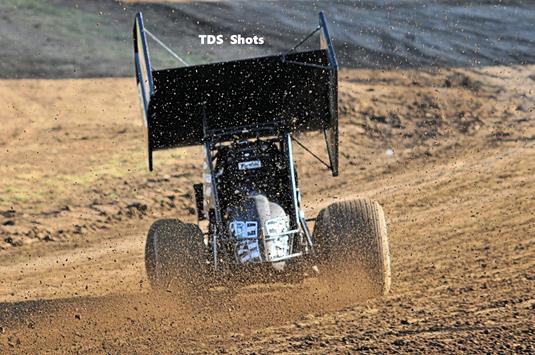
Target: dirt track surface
{"x":458,"y":192}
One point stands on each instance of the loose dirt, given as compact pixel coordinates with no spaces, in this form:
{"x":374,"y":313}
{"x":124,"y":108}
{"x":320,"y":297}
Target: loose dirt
{"x":449,"y":154}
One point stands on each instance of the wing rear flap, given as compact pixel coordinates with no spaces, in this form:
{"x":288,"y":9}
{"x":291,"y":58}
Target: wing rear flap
{"x":270,"y":91}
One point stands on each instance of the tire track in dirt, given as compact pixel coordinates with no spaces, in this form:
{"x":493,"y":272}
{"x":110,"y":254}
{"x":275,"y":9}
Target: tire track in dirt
{"x":460,"y":213}
{"x":463,"y":282}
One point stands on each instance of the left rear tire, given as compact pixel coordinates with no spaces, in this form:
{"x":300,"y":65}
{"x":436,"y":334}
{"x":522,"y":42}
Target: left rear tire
{"x":174,"y":255}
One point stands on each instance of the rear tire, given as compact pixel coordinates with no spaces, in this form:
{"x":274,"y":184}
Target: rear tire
{"x":353,"y":234}
{"x":174,"y":255}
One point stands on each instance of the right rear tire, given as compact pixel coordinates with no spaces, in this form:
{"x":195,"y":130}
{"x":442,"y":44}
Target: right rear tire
{"x":352,"y":235}
{"x":174,"y":255}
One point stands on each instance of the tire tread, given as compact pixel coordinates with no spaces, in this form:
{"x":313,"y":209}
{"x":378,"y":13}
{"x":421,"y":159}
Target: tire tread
{"x":356,"y":225}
